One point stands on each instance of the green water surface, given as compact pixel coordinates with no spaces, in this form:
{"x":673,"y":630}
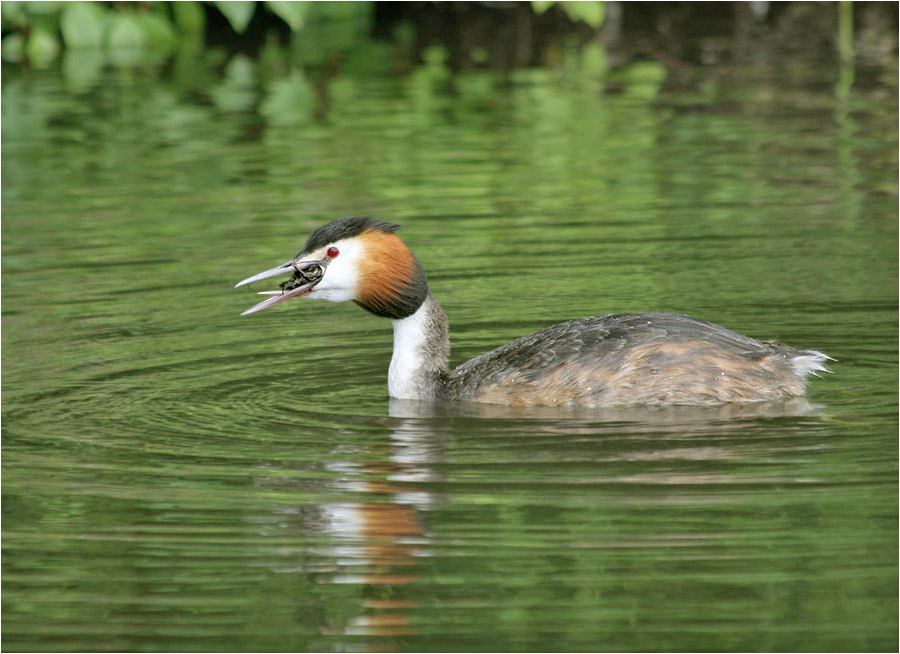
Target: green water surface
{"x":178,"y":477}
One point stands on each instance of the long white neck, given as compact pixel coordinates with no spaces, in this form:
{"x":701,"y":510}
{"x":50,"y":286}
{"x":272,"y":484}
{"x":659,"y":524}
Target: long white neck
{"x":421,"y":353}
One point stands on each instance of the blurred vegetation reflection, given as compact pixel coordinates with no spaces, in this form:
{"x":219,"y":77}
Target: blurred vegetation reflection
{"x":176,"y":477}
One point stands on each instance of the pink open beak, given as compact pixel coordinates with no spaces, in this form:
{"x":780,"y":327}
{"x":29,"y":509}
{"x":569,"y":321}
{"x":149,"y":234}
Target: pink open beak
{"x":287,"y":268}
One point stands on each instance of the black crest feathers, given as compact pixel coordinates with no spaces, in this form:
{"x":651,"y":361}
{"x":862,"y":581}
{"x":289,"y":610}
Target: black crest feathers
{"x":345,"y":228}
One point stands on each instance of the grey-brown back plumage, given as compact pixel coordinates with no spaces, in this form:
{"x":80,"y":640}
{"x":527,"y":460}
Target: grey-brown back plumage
{"x":637,"y":358}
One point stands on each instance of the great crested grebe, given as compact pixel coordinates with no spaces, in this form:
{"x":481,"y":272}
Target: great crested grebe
{"x":613,"y":360}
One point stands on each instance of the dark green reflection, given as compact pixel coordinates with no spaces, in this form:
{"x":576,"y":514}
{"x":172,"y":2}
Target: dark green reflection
{"x":176,"y":477}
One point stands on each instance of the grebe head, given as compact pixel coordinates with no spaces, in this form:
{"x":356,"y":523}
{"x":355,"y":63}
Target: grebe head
{"x":359,"y":259}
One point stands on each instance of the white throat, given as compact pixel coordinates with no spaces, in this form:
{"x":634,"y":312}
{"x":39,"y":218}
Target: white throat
{"x":421,"y":353}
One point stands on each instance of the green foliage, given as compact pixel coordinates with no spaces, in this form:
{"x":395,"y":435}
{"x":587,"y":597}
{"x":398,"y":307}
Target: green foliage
{"x":591,"y":13}
{"x":82,"y":25}
{"x":189,"y":16}
{"x":127,"y":31}
{"x":292,"y":13}
{"x":238,"y":13}
{"x":33,"y":31}
{"x":588,"y":12}
{"x":42,"y":46}
{"x":157,"y":30}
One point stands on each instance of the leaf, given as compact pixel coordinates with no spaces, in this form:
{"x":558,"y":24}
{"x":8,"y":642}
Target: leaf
{"x":189,"y":16}
{"x":42,"y":46}
{"x":238,"y":13}
{"x":125,"y":33}
{"x":589,"y":12}
{"x":292,"y":13}
{"x":13,"y":14}
{"x":541,"y":6}
{"x":157,"y":30}
{"x":81,"y":24}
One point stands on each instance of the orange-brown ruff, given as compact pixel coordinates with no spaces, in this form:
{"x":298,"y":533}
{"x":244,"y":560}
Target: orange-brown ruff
{"x":613,"y":360}
{"x":387,"y":271}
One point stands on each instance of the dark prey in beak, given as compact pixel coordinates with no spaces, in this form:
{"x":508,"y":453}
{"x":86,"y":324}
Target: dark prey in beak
{"x":306,"y":274}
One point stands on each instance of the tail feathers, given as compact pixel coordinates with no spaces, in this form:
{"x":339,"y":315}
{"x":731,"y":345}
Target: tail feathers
{"x":810,"y":362}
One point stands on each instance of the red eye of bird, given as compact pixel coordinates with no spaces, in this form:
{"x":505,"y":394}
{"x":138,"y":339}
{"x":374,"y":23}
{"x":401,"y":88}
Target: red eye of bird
{"x":333,"y":252}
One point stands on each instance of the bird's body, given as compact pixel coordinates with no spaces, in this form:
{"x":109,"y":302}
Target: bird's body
{"x":613,"y":360}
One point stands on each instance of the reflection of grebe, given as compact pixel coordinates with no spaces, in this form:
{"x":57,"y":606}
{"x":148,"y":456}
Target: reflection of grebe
{"x":614,"y":360}
{"x":380,"y":539}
